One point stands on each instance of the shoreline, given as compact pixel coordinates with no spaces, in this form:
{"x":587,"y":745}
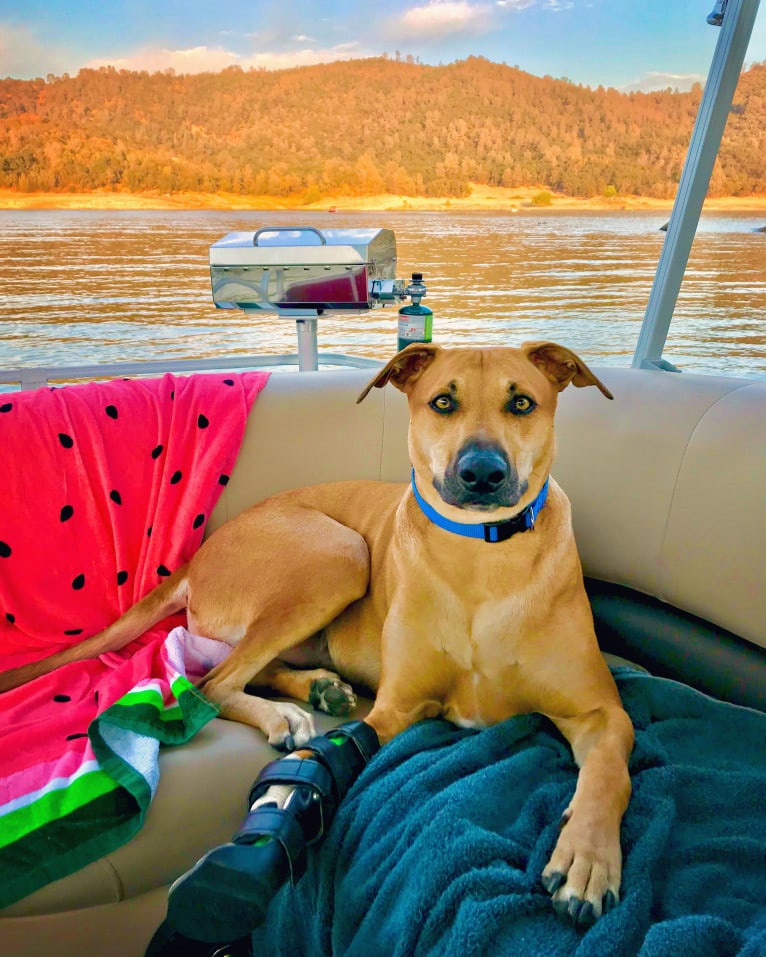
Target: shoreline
{"x":482,"y":198}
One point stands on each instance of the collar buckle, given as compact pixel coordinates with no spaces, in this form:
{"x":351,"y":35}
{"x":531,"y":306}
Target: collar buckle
{"x":502,"y":531}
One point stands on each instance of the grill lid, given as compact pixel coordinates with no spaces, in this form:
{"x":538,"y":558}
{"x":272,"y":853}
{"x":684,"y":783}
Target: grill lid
{"x":287,"y":268}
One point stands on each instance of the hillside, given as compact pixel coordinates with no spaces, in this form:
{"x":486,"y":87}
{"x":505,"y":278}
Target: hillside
{"x":360,"y":128}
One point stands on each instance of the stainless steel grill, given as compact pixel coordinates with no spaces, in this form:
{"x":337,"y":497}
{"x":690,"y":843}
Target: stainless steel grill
{"x":303,"y":273}
{"x":284,"y":269}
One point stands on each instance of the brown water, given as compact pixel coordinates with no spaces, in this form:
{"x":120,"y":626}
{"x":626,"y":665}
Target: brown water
{"x":84,"y":287}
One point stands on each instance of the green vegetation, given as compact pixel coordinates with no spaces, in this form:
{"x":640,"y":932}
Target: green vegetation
{"x":543,"y":198}
{"x":363,"y":127}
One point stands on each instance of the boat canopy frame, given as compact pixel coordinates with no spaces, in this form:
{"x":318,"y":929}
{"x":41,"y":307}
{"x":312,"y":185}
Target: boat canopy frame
{"x":726,"y":66}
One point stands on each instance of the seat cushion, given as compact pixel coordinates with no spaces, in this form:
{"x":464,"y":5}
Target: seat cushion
{"x":200,"y":802}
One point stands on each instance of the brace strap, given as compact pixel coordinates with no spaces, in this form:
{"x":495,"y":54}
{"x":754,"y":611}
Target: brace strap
{"x":363,"y":735}
{"x":298,"y":773}
{"x":280,"y":825}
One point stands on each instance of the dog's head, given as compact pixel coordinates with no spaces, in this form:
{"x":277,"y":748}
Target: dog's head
{"x":481,"y":420}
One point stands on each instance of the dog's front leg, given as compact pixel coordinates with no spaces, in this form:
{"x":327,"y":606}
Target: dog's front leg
{"x":391,"y":716}
{"x":585,"y":869}
{"x":284,"y":724}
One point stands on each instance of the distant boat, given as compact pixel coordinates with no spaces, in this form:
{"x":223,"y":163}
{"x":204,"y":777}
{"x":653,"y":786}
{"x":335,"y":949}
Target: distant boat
{"x":332,"y":209}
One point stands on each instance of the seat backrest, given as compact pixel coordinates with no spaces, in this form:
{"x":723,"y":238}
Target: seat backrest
{"x":666,"y":482}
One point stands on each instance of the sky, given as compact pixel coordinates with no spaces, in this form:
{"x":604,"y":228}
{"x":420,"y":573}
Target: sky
{"x":627,"y":44}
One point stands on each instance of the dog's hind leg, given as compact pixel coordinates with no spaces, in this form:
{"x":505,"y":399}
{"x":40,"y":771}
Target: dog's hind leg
{"x":324,"y":690}
{"x":308,"y":568}
{"x":284,"y":724}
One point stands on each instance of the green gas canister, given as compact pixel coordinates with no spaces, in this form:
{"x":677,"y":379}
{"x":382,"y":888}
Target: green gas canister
{"x":415,"y":319}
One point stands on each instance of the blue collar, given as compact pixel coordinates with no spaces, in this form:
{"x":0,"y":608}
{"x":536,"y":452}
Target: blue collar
{"x":488,"y":531}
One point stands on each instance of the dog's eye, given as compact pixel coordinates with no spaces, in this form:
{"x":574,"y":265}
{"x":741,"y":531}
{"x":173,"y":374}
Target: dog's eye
{"x":443,"y":403}
{"x":521,"y":404}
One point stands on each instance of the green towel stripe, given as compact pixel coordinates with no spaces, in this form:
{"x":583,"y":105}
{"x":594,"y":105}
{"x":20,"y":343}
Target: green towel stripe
{"x":66,"y":844}
{"x":180,"y":684}
{"x":151,"y":696}
{"x":55,"y":804}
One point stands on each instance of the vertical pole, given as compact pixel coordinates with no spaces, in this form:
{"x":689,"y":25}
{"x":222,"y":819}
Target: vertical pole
{"x":725,"y":69}
{"x":308,"y":355}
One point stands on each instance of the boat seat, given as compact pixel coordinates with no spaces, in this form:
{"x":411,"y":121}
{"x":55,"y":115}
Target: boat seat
{"x":666,"y":485}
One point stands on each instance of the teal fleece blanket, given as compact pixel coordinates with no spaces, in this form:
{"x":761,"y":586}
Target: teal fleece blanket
{"x":437,"y":851}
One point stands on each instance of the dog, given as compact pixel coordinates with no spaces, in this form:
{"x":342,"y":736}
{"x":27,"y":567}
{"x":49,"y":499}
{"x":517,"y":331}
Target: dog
{"x":458,"y":595}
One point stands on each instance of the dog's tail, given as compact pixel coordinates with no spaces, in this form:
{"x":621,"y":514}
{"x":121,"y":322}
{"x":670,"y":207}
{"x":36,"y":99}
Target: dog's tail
{"x":164,"y":600}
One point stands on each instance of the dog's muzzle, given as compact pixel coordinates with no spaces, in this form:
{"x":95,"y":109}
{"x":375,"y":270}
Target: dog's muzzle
{"x":481,"y":477}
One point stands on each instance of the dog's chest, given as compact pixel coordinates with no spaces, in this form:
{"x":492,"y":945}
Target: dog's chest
{"x":483,"y":649}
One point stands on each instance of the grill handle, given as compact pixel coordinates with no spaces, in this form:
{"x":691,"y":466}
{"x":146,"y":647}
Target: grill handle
{"x":289,"y":229}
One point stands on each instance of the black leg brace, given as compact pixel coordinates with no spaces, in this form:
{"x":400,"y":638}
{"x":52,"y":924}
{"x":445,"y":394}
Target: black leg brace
{"x":225,"y":895}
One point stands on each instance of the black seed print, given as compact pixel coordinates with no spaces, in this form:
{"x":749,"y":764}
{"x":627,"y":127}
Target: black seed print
{"x":10,"y":618}
{"x":111,"y":411}
{"x":122,"y":577}
{"x":73,"y":737}
{"x":162,"y":571}
{"x":5,"y":550}
{"x":199,"y":520}
{"x":223,"y":479}
{"x":149,"y":532}
{"x":73,"y":631}
{"x":66,"y":440}
{"x":202,"y":421}
{"x":66,"y":513}
{"x":176,"y":478}
{"x":61,"y":698}
{"x":6,"y":407}
{"x":78,"y":583}
{"x":115,"y":496}
{"x":172,"y":395}
{"x":228,"y":381}
{"x":95,"y":696}
{"x":157,"y":451}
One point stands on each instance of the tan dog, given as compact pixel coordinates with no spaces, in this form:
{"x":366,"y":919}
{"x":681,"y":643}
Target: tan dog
{"x":435,"y":621}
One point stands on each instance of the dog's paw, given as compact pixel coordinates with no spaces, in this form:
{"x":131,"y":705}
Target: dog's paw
{"x":583,"y":874}
{"x":332,"y":696}
{"x":289,"y":727}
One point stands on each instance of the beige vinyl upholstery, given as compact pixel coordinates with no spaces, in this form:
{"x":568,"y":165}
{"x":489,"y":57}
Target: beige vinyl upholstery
{"x":667,"y":487}
{"x":668,"y":490}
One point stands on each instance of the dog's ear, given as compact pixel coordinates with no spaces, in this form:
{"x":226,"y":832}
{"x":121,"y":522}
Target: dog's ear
{"x":405,"y":368}
{"x":562,"y":366}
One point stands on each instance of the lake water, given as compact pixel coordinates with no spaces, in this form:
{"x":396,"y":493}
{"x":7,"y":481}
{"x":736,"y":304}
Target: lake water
{"x":85,"y":287}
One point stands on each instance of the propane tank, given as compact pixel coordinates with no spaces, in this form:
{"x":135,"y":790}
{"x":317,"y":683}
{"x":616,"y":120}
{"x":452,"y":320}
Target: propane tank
{"x":415,"y":319}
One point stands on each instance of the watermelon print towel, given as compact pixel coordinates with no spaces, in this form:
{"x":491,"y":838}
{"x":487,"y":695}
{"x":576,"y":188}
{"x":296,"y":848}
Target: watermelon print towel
{"x":105,"y":489}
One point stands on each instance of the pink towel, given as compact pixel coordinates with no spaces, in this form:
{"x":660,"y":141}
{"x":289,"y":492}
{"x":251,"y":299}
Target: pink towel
{"x":105,"y":489}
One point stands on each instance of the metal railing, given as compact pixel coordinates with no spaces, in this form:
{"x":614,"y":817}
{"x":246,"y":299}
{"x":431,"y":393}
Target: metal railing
{"x":36,"y":377}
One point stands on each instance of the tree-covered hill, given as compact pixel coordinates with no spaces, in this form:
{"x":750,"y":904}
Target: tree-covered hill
{"x":363,"y":127}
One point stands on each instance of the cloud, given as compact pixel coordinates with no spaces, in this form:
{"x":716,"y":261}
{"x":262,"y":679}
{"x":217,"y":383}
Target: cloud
{"x":545,"y":4}
{"x":204,"y":59}
{"x":23,"y":55}
{"x":438,"y":18}
{"x":656,"y":80}
{"x":198,"y":59}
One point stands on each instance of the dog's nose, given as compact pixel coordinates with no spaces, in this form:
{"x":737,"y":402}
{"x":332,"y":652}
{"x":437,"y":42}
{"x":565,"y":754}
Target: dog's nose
{"x":482,"y":470}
